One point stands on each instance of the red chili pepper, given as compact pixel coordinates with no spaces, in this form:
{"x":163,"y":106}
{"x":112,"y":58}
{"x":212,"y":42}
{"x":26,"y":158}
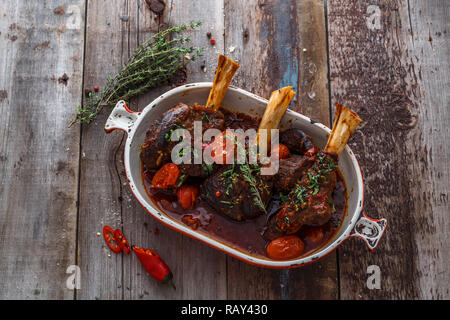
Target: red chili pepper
{"x":154,"y":265}
{"x":311,"y":152}
{"x":213,"y":42}
{"x":96,"y":88}
{"x":108,"y":235}
{"x":122,"y":241}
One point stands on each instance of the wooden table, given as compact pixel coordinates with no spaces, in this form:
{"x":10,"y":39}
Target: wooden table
{"x":387,"y":60}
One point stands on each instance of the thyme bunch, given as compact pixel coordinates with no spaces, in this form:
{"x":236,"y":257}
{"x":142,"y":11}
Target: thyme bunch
{"x":153,"y":63}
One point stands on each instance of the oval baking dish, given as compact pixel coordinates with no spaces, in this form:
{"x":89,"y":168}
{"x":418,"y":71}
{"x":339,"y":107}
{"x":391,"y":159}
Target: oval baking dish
{"x":135,"y":124}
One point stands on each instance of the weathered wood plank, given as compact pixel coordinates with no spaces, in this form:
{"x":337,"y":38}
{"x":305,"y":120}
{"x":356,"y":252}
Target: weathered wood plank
{"x":110,"y":38}
{"x":268,"y":39}
{"x":38,"y":153}
{"x":115,"y":32}
{"x":430,"y":46}
{"x":313,"y":95}
{"x":395,"y":78}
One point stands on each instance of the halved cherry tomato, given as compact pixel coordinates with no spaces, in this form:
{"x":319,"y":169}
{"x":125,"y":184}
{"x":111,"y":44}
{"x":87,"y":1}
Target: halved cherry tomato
{"x":122,"y":241}
{"x":223,"y":147}
{"x":281,"y":150}
{"x":311,"y":152}
{"x":187,"y":195}
{"x":166,"y":177}
{"x":108,"y":235}
{"x":284,"y":248}
{"x":314,"y":235}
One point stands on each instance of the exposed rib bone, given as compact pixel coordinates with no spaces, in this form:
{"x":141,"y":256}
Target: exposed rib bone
{"x":224,"y":73}
{"x":345,"y":123}
{"x":275,"y":110}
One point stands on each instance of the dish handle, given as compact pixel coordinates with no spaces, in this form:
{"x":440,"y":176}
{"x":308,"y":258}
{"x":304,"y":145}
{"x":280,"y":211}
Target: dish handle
{"x":370,"y":230}
{"x":121,"y":118}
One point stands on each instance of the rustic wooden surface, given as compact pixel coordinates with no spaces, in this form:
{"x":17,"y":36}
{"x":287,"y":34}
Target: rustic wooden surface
{"x":387,"y":60}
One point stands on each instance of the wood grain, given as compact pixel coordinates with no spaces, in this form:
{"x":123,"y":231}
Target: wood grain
{"x":38,"y":153}
{"x":429,"y":53}
{"x":114,"y":33}
{"x":267,"y":42}
{"x":110,"y":38}
{"x":387,"y":71}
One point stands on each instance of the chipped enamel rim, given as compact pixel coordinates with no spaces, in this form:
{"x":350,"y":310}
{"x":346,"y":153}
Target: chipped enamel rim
{"x":124,"y":119}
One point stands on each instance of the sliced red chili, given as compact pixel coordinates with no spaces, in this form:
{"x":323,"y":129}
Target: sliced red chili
{"x":108,"y":235}
{"x":154,"y":265}
{"x":122,"y":241}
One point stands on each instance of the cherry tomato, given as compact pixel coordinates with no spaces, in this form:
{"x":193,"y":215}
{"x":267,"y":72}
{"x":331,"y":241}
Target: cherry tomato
{"x":314,"y":235}
{"x":122,"y":241}
{"x":222,"y":148}
{"x":108,"y":235}
{"x":285,"y":248}
{"x":187,"y":195}
{"x":166,"y":177}
{"x":311,"y":152}
{"x":281,"y":150}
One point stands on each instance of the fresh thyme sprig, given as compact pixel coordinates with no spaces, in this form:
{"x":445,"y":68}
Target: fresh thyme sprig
{"x":247,"y":174}
{"x":153,"y":63}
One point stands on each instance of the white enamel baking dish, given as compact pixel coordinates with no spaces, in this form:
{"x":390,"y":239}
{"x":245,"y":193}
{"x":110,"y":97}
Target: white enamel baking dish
{"x":135,"y":124}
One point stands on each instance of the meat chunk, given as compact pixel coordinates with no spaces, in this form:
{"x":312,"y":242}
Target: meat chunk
{"x":238,"y":191}
{"x":158,"y":146}
{"x":290,"y":171}
{"x":296,"y":140}
{"x":309,"y":203}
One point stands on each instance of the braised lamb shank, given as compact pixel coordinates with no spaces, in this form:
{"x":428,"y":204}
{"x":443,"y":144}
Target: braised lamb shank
{"x":309,"y":201}
{"x":240,"y":191}
{"x":158,"y":144}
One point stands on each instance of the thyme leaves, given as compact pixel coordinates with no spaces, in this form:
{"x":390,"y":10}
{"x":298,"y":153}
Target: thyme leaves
{"x":152,"y":64}
{"x":247,"y":174}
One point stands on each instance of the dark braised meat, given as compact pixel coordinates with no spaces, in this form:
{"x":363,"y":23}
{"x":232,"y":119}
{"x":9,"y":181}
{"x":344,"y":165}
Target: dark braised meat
{"x":158,"y":146}
{"x":296,"y":140}
{"x":238,"y":191}
{"x":290,"y":171}
{"x":309,"y":203}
